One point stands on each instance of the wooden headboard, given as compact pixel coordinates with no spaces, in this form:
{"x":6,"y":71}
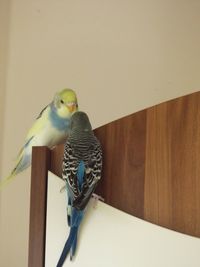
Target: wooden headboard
{"x":151,"y":169}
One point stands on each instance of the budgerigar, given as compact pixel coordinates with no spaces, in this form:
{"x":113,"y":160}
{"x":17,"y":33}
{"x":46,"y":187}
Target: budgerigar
{"x":50,"y":128}
{"x":82,"y":166}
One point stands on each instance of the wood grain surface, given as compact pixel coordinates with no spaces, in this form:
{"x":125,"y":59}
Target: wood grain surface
{"x":37,"y":228}
{"x":123,"y":143}
{"x":151,"y":167}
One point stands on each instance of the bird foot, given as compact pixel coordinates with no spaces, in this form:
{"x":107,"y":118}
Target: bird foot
{"x":96,"y":198}
{"x":63,"y":188}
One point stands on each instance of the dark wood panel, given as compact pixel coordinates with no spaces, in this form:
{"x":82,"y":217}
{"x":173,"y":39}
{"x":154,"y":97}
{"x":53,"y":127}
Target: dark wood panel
{"x":123,"y":143}
{"x":151,"y":165}
{"x":185,"y":129}
{"x":158,"y":195}
{"x":40,"y":166}
{"x":172,"y":192}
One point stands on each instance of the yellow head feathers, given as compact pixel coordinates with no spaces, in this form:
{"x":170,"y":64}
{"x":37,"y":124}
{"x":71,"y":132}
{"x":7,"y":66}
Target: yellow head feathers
{"x":67,"y":95}
{"x":66,"y":102}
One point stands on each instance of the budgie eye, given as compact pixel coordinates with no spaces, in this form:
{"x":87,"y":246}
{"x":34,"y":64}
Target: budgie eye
{"x":61,"y":101}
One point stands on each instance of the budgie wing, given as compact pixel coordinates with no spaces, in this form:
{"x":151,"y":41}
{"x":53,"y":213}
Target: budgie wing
{"x":92,"y":177}
{"x":38,"y":124}
{"x":69,"y":170}
{"x":36,"y":127}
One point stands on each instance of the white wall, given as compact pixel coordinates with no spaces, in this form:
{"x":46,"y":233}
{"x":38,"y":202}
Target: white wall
{"x":120,"y":56}
{"x":111,"y":238}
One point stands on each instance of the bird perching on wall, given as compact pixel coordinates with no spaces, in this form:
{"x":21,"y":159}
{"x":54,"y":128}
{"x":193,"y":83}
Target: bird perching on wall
{"x":82,"y":165}
{"x":50,"y":129}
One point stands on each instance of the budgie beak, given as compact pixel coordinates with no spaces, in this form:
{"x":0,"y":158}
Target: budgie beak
{"x":72,"y":106}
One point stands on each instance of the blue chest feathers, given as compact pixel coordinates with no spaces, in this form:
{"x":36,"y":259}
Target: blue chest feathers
{"x":59,"y":123}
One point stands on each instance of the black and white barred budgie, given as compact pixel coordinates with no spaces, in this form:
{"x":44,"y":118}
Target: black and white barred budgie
{"x":82,"y":165}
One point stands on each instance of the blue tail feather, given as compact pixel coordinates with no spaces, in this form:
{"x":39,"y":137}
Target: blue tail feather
{"x":70,"y":244}
{"x":74,"y":218}
{"x":67,"y":247}
{"x":69,"y":207}
{"x":73,"y":248}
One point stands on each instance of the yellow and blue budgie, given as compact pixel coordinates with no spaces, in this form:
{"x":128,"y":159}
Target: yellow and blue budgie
{"x":50,"y":129}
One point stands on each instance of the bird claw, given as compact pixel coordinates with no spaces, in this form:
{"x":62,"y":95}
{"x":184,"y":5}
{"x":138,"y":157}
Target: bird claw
{"x":63,"y":188}
{"x":96,"y":198}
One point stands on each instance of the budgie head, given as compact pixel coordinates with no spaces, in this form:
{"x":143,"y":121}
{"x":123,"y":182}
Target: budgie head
{"x":65,"y":102}
{"x":80,"y":122}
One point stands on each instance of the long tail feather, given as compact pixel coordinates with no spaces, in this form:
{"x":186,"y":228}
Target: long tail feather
{"x":9,"y":178}
{"x":69,"y":212}
{"x":73,"y":247}
{"x":6,"y":180}
{"x":23,"y":162}
{"x":68,"y":245}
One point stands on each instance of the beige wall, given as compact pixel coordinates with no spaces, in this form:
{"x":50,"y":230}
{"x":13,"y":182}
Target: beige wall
{"x":4,"y":29}
{"x":120,"y":56}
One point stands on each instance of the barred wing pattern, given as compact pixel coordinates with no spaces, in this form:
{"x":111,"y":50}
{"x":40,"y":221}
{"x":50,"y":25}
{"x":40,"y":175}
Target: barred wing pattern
{"x":90,"y":153}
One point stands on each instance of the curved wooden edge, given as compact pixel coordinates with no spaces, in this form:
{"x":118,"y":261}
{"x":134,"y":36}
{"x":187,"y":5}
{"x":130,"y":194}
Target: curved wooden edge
{"x":151,"y":164}
{"x":151,"y":170}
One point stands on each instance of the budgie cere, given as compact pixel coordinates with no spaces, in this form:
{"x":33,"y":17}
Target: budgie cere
{"x":50,"y":128}
{"x":82,"y":165}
